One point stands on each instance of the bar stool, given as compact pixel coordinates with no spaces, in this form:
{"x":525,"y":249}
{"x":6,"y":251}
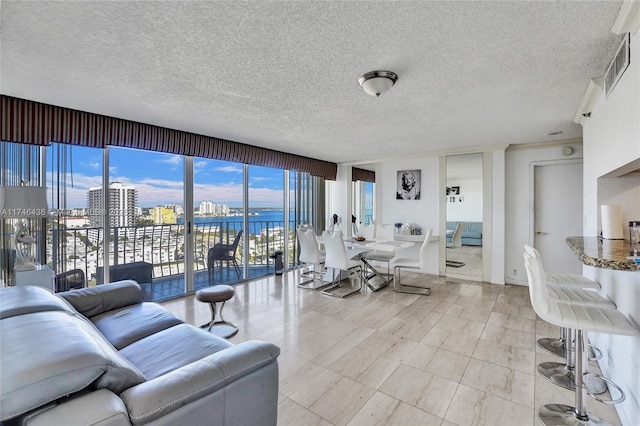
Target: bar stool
{"x":212,"y":296}
{"x":563,"y":280}
{"x":583,"y":319}
{"x":562,"y":374}
{"x":574,"y":286}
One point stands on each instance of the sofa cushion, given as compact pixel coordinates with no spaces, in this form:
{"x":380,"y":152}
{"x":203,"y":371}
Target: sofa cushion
{"x":172,"y":348}
{"x":473,"y":227}
{"x":472,"y":235}
{"x":58,"y":358}
{"x":126,"y":325}
{"x":93,"y":301}
{"x":26,"y":299}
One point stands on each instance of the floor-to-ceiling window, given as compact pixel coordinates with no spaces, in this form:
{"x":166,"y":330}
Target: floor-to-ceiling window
{"x":73,"y":241}
{"x":143,"y":214}
{"x":362,"y":206}
{"x":20,"y":165}
{"x":145,"y":211}
{"x":267,"y":233}
{"x":306,"y":206}
{"x":218,"y":206}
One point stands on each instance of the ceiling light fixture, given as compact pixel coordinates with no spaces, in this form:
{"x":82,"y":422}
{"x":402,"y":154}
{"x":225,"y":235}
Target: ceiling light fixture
{"x":376,"y":83}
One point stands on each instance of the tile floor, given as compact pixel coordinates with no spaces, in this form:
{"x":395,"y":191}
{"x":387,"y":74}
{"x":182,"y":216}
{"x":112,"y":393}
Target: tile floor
{"x":465,"y":355}
{"x":471,"y":256}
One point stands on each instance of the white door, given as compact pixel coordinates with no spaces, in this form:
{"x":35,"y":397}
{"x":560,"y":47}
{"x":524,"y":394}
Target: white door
{"x":558,"y":215}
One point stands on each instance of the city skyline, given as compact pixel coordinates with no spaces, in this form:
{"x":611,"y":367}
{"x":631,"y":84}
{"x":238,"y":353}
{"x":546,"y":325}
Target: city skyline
{"x":158,"y":178}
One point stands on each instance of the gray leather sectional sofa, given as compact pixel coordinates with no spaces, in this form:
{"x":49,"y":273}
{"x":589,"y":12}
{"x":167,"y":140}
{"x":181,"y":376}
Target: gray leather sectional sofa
{"x":102,"y":356}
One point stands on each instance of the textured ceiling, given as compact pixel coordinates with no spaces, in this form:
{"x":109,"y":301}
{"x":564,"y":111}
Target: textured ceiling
{"x":284,"y":75}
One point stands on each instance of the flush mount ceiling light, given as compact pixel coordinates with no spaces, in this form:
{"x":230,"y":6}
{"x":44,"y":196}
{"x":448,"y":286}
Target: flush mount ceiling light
{"x":376,"y":83}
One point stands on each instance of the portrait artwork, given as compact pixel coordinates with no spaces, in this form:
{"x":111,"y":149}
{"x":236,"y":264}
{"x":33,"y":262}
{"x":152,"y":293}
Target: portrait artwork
{"x":408,"y":185}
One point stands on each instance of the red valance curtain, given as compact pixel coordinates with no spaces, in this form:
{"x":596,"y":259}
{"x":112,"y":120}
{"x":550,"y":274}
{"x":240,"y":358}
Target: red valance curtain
{"x":36,"y":123}
{"x":362,"y":175}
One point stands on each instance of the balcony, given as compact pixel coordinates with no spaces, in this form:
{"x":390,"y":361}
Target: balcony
{"x":162,"y":247}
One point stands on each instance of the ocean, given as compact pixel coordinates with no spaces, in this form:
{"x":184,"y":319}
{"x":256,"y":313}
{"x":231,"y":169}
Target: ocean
{"x":258,"y":220}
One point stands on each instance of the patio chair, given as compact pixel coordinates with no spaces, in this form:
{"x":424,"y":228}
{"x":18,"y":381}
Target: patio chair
{"x":224,"y":253}
{"x":70,"y":280}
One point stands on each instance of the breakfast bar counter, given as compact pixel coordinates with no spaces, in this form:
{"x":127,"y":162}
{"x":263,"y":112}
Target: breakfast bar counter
{"x":606,"y":261}
{"x":601,"y":253}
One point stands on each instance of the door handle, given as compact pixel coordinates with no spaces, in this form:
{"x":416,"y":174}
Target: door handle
{"x":540,"y":233}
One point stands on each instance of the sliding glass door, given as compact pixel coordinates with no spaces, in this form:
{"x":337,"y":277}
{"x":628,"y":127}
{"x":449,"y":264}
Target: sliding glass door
{"x":145,"y":215}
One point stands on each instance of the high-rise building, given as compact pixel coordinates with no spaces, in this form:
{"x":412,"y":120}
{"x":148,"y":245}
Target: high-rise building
{"x":163,"y":215}
{"x":207,"y":208}
{"x":122,"y":206}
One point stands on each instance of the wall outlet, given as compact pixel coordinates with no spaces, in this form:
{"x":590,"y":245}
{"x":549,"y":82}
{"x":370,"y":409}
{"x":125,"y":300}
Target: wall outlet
{"x":515,"y":271}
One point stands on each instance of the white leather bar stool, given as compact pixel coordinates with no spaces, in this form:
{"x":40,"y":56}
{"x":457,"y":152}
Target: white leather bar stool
{"x":583,"y":319}
{"x":564,"y":286}
{"x":563,"y":280}
{"x":562,"y":374}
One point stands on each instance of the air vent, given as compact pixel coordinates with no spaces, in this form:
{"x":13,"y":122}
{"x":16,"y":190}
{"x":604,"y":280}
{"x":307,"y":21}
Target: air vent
{"x":618,"y":65}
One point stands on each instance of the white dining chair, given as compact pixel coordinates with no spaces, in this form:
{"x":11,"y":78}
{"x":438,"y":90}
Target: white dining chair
{"x":456,"y":239}
{"x":411,"y":263}
{"x":338,"y":260}
{"x":384,"y":232}
{"x":312,"y":255}
{"x":368,"y":231}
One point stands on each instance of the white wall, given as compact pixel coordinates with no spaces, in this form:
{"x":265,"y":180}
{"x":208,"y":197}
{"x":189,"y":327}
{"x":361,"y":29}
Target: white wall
{"x":470,"y":208}
{"x":612,"y":137}
{"x":423,"y":212}
{"x":427,"y":211}
{"x":465,"y":172}
{"x":517,"y":208}
{"x":493,"y":226}
{"x":611,"y":140}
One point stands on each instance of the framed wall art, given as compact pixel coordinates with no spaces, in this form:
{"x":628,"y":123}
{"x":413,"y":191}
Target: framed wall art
{"x":408,"y":185}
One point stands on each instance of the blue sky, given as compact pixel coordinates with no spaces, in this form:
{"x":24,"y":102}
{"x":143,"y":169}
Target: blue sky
{"x":158,"y":177}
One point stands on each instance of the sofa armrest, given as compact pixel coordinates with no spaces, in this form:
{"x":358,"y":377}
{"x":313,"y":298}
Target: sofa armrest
{"x":96,"y":300}
{"x":160,"y":396}
{"x":99,"y":408}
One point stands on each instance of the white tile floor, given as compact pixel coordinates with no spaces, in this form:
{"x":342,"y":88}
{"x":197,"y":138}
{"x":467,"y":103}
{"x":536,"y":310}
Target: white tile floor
{"x":466,"y":355}
{"x":471,"y":256}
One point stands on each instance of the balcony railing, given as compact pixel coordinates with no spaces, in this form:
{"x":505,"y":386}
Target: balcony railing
{"x":163,"y":246}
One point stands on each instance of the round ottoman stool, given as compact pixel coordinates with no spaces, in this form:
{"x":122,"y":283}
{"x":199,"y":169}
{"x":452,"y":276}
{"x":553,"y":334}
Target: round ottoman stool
{"x":213,"y":295}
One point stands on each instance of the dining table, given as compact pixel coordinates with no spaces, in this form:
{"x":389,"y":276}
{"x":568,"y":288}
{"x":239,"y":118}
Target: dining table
{"x":358,"y":249}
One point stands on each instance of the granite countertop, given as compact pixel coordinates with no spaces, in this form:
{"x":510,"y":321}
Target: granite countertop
{"x":601,"y":253}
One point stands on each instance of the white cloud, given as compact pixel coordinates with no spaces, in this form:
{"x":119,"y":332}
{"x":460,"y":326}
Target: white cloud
{"x":152,"y":192}
{"x":175,"y":160}
{"x":233,"y":169}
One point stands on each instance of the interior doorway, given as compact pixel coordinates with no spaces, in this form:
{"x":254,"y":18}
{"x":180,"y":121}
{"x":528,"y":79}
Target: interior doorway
{"x":557,"y":213}
{"x":464,"y":216}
